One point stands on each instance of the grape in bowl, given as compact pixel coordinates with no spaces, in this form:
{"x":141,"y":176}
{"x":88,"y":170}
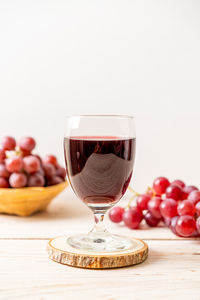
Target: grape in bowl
{"x":28,"y":183}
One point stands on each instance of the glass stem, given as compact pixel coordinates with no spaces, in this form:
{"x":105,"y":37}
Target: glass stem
{"x":99,"y":224}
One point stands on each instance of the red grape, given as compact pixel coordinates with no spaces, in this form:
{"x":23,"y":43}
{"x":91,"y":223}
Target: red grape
{"x":197,"y":207}
{"x":184,"y":195}
{"x":167,"y":221}
{"x":27,"y":143}
{"x":8,"y":143}
{"x":61,"y":172}
{"x":38,"y":157}
{"x":173,"y":224}
{"x":14,"y":164}
{"x":188,"y":189}
{"x":49,"y":170}
{"x":175,"y":204}
{"x":4,"y":183}
{"x":116,"y":214}
{"x":25,"y":153}
{"x":185,"y":226}
{"x":198,"y":224}
{"x":150,"y":192}
{"x":160,"y":184}
{"x":195,"y":233}
{"x":41,"y":171}
{"x":54,"y":180}
{"x":151,"y":220}
{"x":132,"y":217}
{"x":2,"y":155}
{"x":31,"y":164}
{"x":36,"y":180}
{"x":194,"y":197}
{"x":142,"y":201}
{"x":18,"y":180}
{"x":50,"y":159}
{"x":178,"y":182}
{"x":174,"y":192}
{"x":186,"y":208}
{"x":168,"y":208}
{"x":154,"y":207}
{"x":3,"y":171}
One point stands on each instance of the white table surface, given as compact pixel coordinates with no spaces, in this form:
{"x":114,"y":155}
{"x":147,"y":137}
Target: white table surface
{"x":172,"y":270}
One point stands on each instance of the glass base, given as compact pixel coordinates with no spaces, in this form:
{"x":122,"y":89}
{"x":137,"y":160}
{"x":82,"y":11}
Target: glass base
{"x":104,"y":242}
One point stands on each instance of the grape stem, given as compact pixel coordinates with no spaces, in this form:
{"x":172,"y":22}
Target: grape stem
{"x":13,"y":153}
{"x":135,"y":194}
{"x":152,"y":190}
{"x":132,"y":190}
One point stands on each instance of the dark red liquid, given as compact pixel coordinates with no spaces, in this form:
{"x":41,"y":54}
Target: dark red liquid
{"x":99,"y":168}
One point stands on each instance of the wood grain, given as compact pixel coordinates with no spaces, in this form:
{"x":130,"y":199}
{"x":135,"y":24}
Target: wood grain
{"x":77,"y":258}
{"x":172,"y":271}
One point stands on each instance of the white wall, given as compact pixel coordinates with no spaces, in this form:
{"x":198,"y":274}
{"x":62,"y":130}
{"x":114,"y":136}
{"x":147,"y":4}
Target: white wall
{"x":59,"y":57}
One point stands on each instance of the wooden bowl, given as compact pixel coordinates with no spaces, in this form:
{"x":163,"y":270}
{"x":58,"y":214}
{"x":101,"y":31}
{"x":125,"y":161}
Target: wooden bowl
{"x":28,"y":200}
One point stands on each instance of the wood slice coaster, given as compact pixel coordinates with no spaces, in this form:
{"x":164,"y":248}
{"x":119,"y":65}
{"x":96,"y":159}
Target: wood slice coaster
{"x":61,"y":252}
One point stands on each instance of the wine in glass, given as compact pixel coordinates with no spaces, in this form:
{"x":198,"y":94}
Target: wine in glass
{"x":99,"y":154}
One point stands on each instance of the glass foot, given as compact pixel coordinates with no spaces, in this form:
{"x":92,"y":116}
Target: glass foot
{"x":104,"y":242}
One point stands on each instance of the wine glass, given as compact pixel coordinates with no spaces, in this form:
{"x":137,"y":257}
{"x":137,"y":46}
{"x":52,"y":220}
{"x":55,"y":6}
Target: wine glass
{"x":99,"y":155}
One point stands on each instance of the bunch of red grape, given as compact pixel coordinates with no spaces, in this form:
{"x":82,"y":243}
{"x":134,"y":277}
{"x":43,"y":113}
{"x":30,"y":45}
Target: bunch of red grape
{"x":20,"y":168}
{"x":174,"y":204}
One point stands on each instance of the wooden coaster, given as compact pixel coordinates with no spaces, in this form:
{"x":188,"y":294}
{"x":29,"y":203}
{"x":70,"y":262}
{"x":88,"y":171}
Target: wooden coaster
{"x":61,"y":252}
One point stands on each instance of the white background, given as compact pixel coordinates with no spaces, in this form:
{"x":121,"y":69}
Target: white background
{"x":111,"y":57}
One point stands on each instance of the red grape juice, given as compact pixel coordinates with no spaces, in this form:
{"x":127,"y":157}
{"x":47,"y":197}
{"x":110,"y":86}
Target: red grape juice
{"x":99,"y":168}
